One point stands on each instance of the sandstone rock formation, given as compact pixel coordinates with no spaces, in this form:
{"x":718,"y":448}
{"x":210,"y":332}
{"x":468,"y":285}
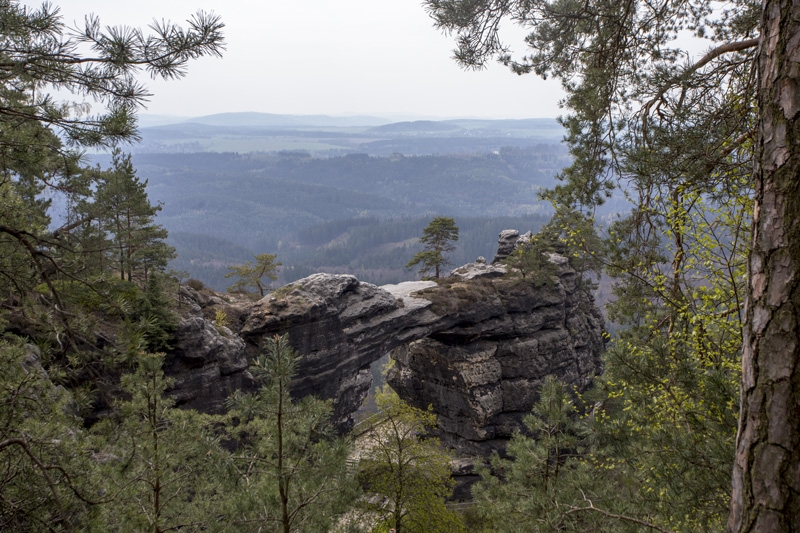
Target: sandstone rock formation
{"x":482,"y":373}
{"x":340,"y":326}
{"x":479,"y":269}
{"x":476,"y":345}
{"x":208,"y":364}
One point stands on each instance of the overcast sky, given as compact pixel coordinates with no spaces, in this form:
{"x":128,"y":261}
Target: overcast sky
{"x":380,"y":57}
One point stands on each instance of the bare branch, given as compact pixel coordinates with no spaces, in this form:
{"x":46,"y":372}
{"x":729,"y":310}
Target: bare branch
{"x":624,"y":518}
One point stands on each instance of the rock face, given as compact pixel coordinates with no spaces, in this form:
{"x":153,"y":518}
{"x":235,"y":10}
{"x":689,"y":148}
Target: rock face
{"x":340,"y":326}
{"x":505,"y":244}
{"x":208,"y":364}
{"x":208,"y":361}
{"x":476,"y":346}
{"x":483,"y":372}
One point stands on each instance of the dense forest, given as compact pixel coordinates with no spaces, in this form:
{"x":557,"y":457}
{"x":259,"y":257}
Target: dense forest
{"x":693,"y":424}
{"x":356,"y":213}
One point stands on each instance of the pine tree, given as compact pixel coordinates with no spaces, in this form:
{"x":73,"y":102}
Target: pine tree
{"x":251,"y":275}
{"x":42,"y":139}
{"x":161,"y":467}
{"x":438,"y":238}
{"x":48,"y":277}
{"x":45,"y":481}
{"x":123,"y":210}
{"x":293,"y":469}
{"x":406,"y":469}
{"x":680,"y":138}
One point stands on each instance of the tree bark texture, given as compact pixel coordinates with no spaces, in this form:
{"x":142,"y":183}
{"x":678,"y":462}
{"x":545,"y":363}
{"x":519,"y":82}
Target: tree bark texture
{"x":766,"y":473}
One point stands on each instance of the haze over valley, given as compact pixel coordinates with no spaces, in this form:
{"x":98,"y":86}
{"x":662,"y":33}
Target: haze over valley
{"x":340,"y":194}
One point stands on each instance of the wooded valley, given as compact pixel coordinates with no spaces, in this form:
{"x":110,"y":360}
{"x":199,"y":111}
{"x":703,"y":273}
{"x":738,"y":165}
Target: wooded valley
{"x":676,"y":180}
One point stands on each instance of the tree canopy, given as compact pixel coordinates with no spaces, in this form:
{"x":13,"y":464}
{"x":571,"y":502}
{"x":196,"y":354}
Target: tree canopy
{"x":438,"y":238}
{"x":406,"y":472}
{"x":42,"y":138}
{"x":251,"y":275}
{"x":703,"y":146}
{"x":60,"y":287}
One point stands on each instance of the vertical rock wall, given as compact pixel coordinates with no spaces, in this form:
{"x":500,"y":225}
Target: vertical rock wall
{"x":483,"y":373}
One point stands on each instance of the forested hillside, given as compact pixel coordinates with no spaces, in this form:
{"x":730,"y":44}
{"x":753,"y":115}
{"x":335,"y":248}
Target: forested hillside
{"x":691,"y":425}
{"x":356,"y":213}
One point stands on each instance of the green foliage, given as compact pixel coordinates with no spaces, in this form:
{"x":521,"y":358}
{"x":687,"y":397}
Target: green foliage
{"x":221,"y":319}
{"x":569,"y":233}
{"x":532,"y":260}
{"x":160,"y":467}
{"x":251,"y":275}
{"x":676,"y":138}
{"x":672,"y":376}
{"x":157,"y":322}
{"x":292,"y":469}
{"x":42,"y":139}
{"x":531,"y":490}
{"x":552,"y":479}
{"x":438,"y":238}
{"x":45,"y":457}
{"x":55,"y":283}
{"x":407,"y":470}
{"x":126,"y":235}
{"x":41,"y":52}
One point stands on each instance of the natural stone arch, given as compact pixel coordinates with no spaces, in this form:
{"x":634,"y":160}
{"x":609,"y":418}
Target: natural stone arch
{"x":476,"y":346}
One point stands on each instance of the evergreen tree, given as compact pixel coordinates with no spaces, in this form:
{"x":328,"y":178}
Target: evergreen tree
{"x":438,"y":238}
{"x":293,"y":469}
{"x":48,"y":278}
{"x":528,"y":490}
{"x":42,"y":139}
{"x":161,"y":468}
{"x":123,"y":211}
{"x":550,"y":481}
{"x":251,"y":275}
{"x":406,"y":469}
{"x":45,"y":480}
{"x":680,"y":139}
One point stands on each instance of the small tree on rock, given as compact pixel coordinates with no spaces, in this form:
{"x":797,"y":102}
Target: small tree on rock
{"x":251,"y":275}
{"x":438,"y":238}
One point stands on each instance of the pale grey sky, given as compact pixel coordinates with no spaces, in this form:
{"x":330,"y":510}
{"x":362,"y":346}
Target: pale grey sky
{"x":380,"y":57}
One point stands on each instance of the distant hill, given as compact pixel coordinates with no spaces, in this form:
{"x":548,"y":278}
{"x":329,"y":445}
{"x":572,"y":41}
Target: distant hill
{"x":326,"y":136}
{"x":418,"y":127}
{"x":528,"y":124}
{"x":270,"y":120}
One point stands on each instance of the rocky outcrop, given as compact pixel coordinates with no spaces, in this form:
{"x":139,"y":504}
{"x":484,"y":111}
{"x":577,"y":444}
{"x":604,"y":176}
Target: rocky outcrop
{"x":209,"y":361}
{"x":483,"y":372}
{"x":208,"y":364}
{"x":476,"y":346}
{"x":340,"y":326}
{"x":507,"y":242}
{"x":479,"y":269}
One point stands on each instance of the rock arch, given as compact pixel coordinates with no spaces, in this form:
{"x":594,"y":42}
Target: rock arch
{"x":475,"y":346}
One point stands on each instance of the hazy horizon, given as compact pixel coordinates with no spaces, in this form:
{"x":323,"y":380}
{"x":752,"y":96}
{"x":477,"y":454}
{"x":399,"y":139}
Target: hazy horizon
{"x":315,"y":57}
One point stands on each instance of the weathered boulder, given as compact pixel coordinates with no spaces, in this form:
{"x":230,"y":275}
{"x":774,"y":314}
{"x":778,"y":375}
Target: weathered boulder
{"x":208,"y":364}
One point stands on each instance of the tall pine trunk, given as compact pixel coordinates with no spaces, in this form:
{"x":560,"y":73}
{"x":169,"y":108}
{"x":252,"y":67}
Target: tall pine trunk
{"x":766,"y":475}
